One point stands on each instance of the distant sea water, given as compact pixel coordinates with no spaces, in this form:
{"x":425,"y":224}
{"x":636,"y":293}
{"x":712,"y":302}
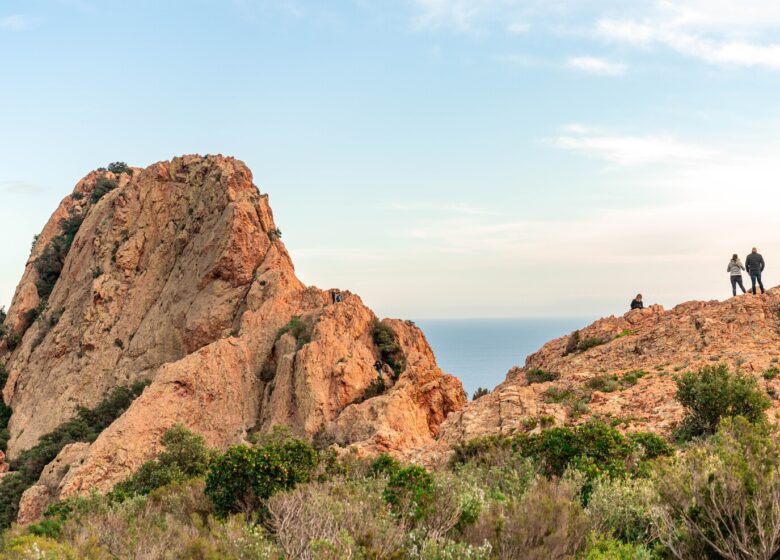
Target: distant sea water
{"x":481,"y":351}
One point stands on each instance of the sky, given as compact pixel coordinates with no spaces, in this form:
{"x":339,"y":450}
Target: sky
{"x":441,"y":158}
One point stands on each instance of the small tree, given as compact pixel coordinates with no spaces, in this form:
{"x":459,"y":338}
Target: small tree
{"x":713,"y":393}
{"x":410,"y":492}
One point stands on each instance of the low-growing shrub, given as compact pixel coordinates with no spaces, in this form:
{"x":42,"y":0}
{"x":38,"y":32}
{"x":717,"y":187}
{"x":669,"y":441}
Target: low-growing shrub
{"x":622,"y":508}
{"x":714,"y":393}
{"x":299,"y":329}
{"x":631,"y":378}
{"x":85,"y":426}
{"x":384,"y":465}
{"x":589,"y":343}
{"x":721,"y":497}
{"x":185,"y":456}
{"x":103,"y":186}
{"x":613,"y":549}
{"x":479,"y":393}
{"x":604,"y":383}
{"x":374,"y":389}
{"x":770,"y":373}
{"x":547,"y":523}
{"x":118,"y":167}
{"x":539,"y":376}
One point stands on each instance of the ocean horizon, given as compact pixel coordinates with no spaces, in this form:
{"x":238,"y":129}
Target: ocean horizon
{"x":480,"y":352}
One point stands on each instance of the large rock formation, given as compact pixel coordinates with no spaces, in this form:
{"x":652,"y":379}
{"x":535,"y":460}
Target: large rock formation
{"x":634,"y":357}
{"x":178,"y":276}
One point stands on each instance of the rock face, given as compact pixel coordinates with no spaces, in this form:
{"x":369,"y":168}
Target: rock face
{"x":178,"y":276}
{"x":638,"y":356}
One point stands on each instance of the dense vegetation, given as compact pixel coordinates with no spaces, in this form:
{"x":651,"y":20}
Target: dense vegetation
{"x":390,"y":350}
{"x":583,"y":492}
{"x":85,"y":426}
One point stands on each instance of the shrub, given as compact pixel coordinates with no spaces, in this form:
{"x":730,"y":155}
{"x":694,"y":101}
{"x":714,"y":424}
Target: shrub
{"x":410,"y":492}
{"x":185,"y":456}
{"x":721,"y":497}
{"x":346,"y":519}
{"x":589,"y":343}
{"x":274,"y":234}
{"x":572,"y":343}
{"x":51,"y":260}
{"x":479,"y":393}
{"x":85,"y":426}
{"x":612,"y":549}
{"x":374,"y":389}
{"x":547,"y":523}
{"x":390,"y":349}
{"x":622,"y":508}
{"x":103,"y":186}
{"x":713,"y":393}
{"x":603,"y":383}
{"x":630,"y":378}
{"x":243,"y":478}
{"x":384,"y":465}
{"x":557,"y":395}
{"x":770,"y":373}
{"x":539,"y":376}
{"x":298,"y":328}
{"x":453,"y":550}
{"x":624,"y":332}
{"x":119,"y":167}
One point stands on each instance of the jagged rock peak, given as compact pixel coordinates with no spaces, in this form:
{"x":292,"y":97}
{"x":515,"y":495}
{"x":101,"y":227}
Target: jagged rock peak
{"x":176,"y":274}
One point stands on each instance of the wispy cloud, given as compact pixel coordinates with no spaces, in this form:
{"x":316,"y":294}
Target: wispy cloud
{"x":20,"y":187}
{"x":15,"y":22}
{"x":463,"y":208}
{"x":715,"y":31}
{"x":630,"y":150}
{"x":596,"y":65}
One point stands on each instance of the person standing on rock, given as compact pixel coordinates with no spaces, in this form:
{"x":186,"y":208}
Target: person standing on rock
{"x":637,"y":303}
{"x":735,"y":269}
{"x":755,"y":266}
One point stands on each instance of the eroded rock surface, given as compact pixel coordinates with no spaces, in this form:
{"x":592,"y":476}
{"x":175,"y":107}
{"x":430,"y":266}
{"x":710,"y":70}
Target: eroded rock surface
{"x":178,"y":276}
{"x":643,"y":350}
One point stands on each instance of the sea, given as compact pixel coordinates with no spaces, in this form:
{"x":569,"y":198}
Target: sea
{"x":481,"y":351}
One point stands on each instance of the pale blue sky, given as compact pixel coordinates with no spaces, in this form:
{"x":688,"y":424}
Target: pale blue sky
{"x":442,"y":158}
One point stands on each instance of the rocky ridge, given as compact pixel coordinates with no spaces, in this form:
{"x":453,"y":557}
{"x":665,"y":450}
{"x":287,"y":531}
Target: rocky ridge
{"x":177,"y":275}
{"x":622,"y":369}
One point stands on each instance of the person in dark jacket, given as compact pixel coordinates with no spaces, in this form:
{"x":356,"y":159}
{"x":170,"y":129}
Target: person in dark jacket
{"x":754,"y":263}
{"x":636,"y":303}
{"x":735,"y":268}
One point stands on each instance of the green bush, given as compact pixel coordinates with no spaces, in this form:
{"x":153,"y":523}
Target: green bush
{"x":539,"y":376}
{"x":5,"y":410}
{"x":770,"y":373}
{"x":604,"y":383}
{"x":479,"y":393}
{"x":622,"y":508}
{"x":631,"y":378}
{"x":389,"y":348}
{"x":103,"y":186}
{"x":714,"y":393}
{"x":243,"y":478}
{"x":374,"y":389}
{"x":185,"y":456}
{"x":720,"y":498}
{"x":85,"y":426}
{"x":589,"y":343}
{"x":51,"y":260}
{"x":119,"y":167}
{"x":298,"y":328}
{"x":384,"y":465}
{"x":410,"y":492}
{"x":612,"y":549}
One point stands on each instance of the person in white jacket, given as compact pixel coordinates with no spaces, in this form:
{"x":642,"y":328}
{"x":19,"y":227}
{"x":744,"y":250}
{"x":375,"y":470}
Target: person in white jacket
{"x":735,"y":269}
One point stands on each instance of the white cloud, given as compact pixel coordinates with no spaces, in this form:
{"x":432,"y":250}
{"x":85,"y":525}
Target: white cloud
{"x":635,"y":150}
{"x":14,"y":22}
{"x":596,"y":65}
{"x":518,"y":27}
{"x":716,"y":31}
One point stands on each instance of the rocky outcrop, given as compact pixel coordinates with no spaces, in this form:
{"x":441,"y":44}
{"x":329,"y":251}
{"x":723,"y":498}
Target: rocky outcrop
{"x":622,"y":368}
{"x":178,"y":276}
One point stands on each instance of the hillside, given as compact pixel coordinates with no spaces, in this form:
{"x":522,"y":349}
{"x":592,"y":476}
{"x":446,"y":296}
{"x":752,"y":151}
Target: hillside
{"x":176,"y":276}
{"x":622,"y":369}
